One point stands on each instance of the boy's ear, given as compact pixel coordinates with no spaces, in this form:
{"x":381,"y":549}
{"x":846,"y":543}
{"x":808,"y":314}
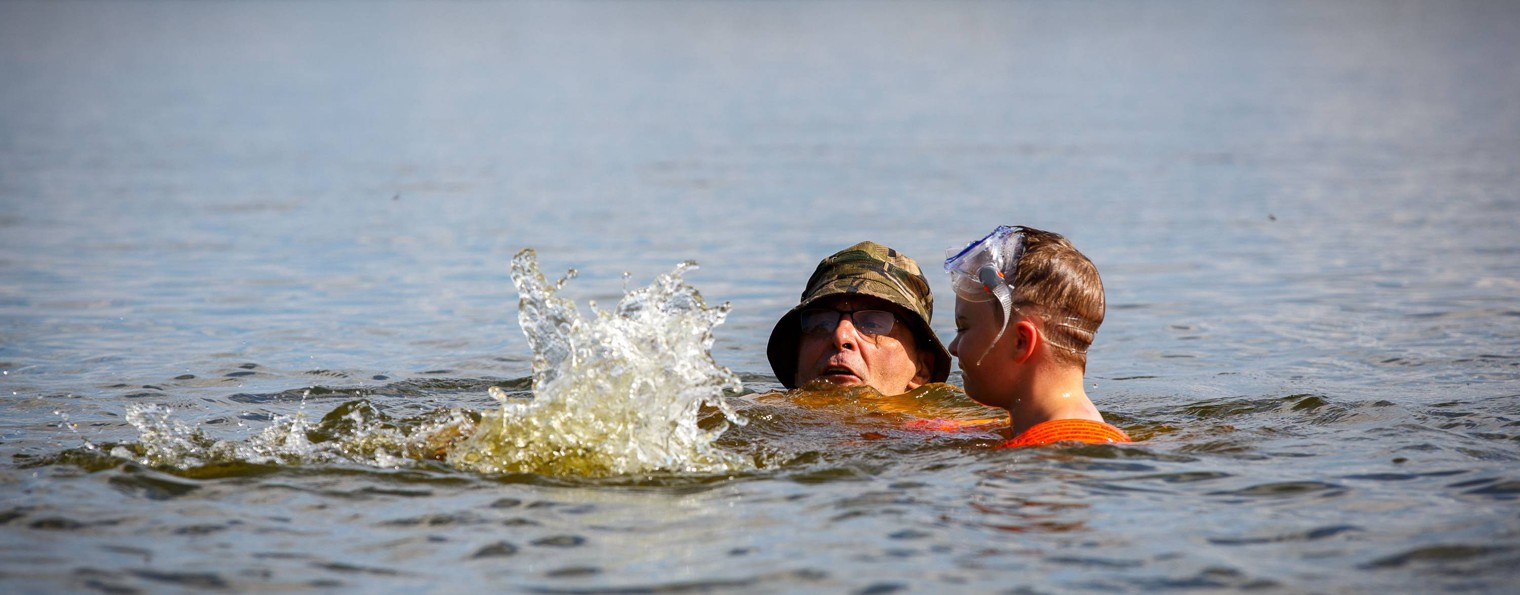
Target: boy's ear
{"x":1028,"y":340}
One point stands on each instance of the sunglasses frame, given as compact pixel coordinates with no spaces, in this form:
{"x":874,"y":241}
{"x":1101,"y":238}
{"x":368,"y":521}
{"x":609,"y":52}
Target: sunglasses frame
{"x":839,"y":315}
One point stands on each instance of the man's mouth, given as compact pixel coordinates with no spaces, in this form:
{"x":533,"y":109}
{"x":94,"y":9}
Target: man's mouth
{"x":839,"y":375}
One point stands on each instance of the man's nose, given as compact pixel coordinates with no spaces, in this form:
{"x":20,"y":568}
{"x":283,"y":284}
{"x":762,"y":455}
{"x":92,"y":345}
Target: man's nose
{"x":846,"y":336}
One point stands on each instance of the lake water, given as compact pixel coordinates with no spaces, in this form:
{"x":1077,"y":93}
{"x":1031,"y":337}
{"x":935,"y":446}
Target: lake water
{"x":242,"y":217}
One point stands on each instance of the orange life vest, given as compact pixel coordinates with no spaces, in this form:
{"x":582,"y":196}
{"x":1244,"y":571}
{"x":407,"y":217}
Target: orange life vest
{"x":1063,"y":430}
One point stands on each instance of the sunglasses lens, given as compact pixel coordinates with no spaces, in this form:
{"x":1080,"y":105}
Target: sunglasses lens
{"x":867,"y":322}
{"x":873,"y":322}
{"x":819,"y":321}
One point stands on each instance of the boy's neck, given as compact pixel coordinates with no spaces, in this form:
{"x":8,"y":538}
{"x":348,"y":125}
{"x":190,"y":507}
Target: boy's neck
{"x":1055,"y":393}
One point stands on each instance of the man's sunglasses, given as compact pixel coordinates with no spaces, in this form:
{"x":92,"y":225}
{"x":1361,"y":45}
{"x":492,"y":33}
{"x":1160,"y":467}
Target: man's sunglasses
{"x":823,"y":321}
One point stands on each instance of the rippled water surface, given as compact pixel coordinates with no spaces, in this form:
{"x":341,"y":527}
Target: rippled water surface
{"x":256,"y":280}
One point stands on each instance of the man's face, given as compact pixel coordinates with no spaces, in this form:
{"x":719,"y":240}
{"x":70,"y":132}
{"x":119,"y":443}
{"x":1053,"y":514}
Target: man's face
{"x":849,"y":354}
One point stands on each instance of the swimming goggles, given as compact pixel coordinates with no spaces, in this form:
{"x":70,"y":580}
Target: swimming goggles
{"x":984,"y":270}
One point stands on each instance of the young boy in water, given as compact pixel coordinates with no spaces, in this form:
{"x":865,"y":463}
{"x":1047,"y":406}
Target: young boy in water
{"x":1027,"y":304}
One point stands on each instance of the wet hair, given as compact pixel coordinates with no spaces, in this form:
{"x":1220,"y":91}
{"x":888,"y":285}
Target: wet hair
{"x":1064,"y":289}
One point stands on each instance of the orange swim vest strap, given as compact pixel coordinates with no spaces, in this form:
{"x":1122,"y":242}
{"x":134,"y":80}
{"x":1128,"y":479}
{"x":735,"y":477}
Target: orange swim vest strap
{"x":1061,"y":430}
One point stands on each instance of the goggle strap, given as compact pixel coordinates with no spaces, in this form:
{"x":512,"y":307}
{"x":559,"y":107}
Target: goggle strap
{"x":1004,"y":295}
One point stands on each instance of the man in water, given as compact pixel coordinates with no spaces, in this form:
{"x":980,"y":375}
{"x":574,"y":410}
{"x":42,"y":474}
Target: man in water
{"x":863,"y":320}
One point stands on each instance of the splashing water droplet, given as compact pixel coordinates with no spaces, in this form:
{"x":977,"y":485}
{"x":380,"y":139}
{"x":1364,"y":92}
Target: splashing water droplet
{"x":614,"y":394}
{"x":617,"y":393}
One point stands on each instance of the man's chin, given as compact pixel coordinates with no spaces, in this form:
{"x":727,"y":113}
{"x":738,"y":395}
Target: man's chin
{"x":821,"y":392}
{"x":834,"y":381}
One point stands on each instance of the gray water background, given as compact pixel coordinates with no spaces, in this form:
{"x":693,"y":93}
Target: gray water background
{"x":1304,"y":213}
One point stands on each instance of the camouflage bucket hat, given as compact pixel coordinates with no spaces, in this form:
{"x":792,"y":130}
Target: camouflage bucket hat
{"x":867,"y":269}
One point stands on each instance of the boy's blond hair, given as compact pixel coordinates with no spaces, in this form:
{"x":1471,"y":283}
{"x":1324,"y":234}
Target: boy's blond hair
{"x":1063,"y":288}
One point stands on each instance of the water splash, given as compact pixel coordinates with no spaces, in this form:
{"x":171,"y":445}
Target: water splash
{"x":354,"y":432}
{"x":618,"y":393}
{"x":627,"y":391}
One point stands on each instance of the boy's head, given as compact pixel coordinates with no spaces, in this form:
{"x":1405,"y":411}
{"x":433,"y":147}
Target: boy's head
{"x":1038,"y":275}
{"x":1063,"y":287}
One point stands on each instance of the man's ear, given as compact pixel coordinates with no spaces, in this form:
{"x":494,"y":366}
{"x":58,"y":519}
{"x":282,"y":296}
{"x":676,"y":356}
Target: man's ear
{"x":925,"y":368}
{"x":1028,"y":340}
